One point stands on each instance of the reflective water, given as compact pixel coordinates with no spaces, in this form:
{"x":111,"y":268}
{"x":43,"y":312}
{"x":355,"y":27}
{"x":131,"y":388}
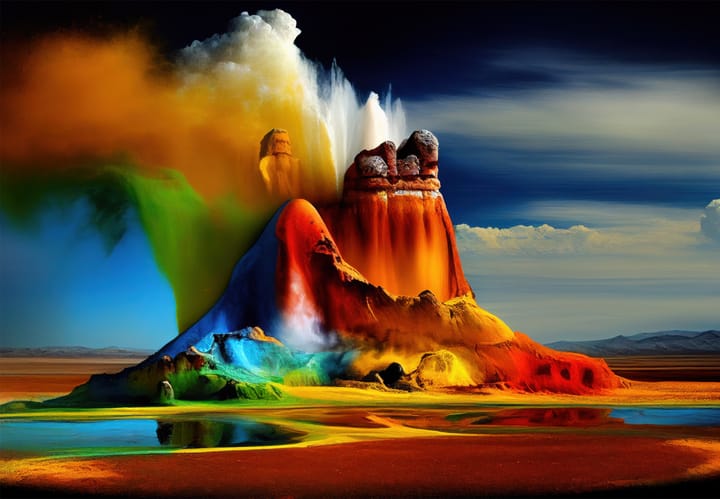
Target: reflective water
{"x":676,"y":416}
{"x":592,"y":416}
{"x":141,"y":434}
{"x":136,"y":435}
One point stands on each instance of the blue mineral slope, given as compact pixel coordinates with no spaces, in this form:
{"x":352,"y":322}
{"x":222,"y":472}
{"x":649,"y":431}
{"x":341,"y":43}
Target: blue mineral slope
{"x":248,"y":300}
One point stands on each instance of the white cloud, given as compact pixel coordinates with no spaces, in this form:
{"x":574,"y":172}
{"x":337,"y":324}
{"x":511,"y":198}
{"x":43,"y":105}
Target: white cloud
{"x":660,"y":115}
{"x":614,"y":109}
{"x":527,"y":239}
{"x":710,"y":220}
{"x":609,"y":229}
{"x":639,"y":268}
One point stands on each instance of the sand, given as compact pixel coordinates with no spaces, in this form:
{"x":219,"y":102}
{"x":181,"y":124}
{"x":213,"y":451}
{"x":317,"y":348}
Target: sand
{"x":427,"y":467}
{"x":381,"y":456}
{"x":33,"y":378}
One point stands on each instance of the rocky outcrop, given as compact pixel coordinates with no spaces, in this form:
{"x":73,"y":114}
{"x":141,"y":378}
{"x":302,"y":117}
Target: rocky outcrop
{"x":392,"y":223}
{"x":477,"y":347}
{"x":421,"y":147}
{"x":279,"y":169}
{"x":245,"y":364}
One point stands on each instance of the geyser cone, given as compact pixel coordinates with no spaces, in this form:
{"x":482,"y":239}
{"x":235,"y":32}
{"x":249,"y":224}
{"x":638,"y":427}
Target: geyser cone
{"x":296,"y":285}
{"x":392,"y":223}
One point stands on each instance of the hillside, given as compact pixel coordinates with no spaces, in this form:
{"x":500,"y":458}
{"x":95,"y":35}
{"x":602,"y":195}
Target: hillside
{"x":673,"y":342}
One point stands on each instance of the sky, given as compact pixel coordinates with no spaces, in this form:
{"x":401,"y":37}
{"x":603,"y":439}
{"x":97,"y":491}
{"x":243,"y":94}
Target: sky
{"x":578,"y":158}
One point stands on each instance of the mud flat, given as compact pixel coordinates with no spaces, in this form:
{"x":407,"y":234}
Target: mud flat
{"x":651,"y":439}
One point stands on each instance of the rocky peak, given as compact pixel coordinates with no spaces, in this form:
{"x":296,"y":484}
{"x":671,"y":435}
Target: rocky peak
{"x":421,"y":147}
{"x":413,"y":167}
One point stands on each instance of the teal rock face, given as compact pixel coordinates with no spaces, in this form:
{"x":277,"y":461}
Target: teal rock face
{"x":244,"y":364}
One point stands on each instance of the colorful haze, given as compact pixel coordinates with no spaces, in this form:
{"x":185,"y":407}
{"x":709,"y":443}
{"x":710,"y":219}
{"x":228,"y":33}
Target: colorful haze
{"x":107,"y":119}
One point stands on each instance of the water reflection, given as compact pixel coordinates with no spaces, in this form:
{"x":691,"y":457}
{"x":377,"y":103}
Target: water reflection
{"x":111,"y":435}
{"x":68,"y":436}
{"x":552,"y":416}
{"x":589,"y":416}
{"x":137,"y":435}
{"x":223,"y":433}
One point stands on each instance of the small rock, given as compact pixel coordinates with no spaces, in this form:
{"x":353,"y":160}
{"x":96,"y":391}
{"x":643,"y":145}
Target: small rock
{"x":372,"y":166}
{"x":377,"y":162}
{"x":166,"y":392}
{"x":409,"y":167}
{"x":424,"y":145}
{"x":392,"y":373}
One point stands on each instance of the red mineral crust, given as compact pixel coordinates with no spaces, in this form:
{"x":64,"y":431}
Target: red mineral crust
{"x":374,"y":279}
{"x":392,"y":223}
{"x":381,"y":269}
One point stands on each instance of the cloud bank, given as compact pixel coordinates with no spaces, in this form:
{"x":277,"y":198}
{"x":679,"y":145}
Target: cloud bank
{"x":617,"y":229}
{"x":631,"y":268}
{"x":710,"y":220}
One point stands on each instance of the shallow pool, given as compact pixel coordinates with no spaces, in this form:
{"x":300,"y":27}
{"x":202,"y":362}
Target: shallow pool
{"x":138,"y":435}
{"x":669,"y":416}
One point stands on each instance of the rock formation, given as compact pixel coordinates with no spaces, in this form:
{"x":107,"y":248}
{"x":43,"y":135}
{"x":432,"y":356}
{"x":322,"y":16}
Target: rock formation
{"x":371,"y":286}
{"x":392,"y":224}
{"x":279,"y":169}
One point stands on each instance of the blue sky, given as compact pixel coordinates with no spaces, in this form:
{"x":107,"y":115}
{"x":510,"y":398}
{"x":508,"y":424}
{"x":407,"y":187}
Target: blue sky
{"x":579,"y":196}
{"x":578,"y":152}
{"x":60,"y":286}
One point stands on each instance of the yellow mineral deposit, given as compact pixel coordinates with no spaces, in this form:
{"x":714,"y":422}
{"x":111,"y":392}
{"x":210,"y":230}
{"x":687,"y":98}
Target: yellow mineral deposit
{"x":279,"y":169}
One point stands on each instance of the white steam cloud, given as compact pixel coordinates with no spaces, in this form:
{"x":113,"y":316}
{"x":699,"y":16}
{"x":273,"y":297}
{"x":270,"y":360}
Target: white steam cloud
{"x":263,"y":44}
{"x":301,"y":328}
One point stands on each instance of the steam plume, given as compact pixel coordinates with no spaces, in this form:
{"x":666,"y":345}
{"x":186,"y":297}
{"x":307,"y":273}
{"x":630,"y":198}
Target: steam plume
{"x":179,"y":141}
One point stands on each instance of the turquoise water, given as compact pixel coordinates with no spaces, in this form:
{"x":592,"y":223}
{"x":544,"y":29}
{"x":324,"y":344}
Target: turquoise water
{"x":58,"y":435}
{"x":137,"y":435}
{"x":663,"y":416}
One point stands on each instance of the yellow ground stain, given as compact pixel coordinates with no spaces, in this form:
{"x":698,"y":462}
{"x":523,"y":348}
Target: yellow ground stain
{"x":711,"y":449}
{"x":15,"y":471}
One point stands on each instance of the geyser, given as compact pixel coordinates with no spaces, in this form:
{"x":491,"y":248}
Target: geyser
{"x":295,"y":287}
{"x":338,"y":272}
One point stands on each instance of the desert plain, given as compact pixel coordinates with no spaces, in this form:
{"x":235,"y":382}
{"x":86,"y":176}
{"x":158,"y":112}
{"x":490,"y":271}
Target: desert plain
{"x":653,"y":438}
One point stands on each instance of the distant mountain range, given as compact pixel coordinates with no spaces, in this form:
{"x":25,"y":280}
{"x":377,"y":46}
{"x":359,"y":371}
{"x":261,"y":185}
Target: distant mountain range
{"x":675,"y":342}
{"x":74,"y":351}
{"x":658,"y":343}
